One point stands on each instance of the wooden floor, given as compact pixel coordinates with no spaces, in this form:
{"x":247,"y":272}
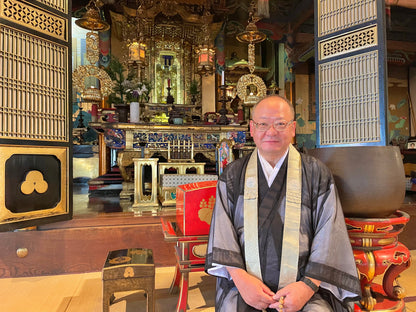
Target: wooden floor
{"x":83,"y":293}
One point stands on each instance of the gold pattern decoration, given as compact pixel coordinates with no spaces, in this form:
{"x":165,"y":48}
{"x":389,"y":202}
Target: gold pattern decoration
{"x":93,"y":52}
{"x":79,"y":75}
{"x":142,"y":21}
{"x":128,"y":272}
{"x":251,"y":57}
{"x":150,"y":24}
{"x":200,"y":250}
{"x":205,"y":213}
{"x":250,"y":86}
{"x":367,"y":299}
{"x":92,"y":94}
{"x":34,"y":18}
{"x":34,"y":182}
{"x":138,"y":252}
{"x":120,"y":260}
{"x":168,"y":8}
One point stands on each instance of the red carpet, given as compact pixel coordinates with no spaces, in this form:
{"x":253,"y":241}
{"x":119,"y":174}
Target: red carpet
{"x":113,"y":177}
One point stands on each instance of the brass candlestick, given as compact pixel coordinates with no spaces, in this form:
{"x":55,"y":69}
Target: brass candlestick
{"x":174,"y":112}
{"x":169,"y":98}
{"x":223,"y":120}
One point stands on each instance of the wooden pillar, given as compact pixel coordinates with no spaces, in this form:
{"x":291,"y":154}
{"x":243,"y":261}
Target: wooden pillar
{"x":208,"y":94}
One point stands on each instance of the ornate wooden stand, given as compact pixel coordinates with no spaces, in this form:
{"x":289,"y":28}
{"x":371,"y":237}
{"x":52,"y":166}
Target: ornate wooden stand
{"x":129,"y":270}
{"x":378,"y":252}
{"x":141,"y":201}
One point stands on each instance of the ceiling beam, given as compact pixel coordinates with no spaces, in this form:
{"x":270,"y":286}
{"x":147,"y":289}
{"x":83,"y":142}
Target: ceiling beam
{"x":298,"y":12}
{"x":302,"y":13}
{"x":407,"y":46}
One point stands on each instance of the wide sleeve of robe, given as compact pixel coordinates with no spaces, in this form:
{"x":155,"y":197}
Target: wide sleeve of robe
{"x":329,"y":258}
{"x":225,"y":244}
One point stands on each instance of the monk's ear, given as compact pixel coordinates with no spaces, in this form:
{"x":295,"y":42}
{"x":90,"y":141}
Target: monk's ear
{"x":294,"y":128}
{"x":252,"y":127}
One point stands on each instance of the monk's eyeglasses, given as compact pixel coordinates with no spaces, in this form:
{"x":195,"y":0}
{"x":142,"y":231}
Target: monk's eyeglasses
{"x":279,"y":125}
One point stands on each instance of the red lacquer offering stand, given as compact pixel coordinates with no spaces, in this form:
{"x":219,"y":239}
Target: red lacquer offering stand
{"x":378,"y":252}
{"x":190,"y":257}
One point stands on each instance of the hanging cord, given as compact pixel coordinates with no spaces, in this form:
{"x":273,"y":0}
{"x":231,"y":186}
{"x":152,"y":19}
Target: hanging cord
{"x":412,"y":117}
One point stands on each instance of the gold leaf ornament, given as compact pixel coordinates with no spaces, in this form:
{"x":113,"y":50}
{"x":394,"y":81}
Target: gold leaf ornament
{"x":253,"y":82}
{"x":92,"y":43}
{"x":120,"y":260}
{"x":34,"y":182}
{"x":84,"y":71}
{"x":200,"y":250}
{"x":128,"y":272}
{"x":205,"y":211}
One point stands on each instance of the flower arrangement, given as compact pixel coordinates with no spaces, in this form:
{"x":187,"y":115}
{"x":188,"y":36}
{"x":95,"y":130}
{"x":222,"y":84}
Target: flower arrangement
{"x":126,"y":88}
{"x":137,"y":91}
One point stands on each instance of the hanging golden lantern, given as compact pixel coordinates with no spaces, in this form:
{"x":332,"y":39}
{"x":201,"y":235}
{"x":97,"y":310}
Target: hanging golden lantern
{"x":205,"y":60}
{"x":206,"y":54}
{"x":137,"y":52}
{"x":92,"y":19}
{"x":251,"y":34}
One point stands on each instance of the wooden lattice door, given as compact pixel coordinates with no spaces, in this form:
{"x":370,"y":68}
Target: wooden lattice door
{"x":35,"y":120}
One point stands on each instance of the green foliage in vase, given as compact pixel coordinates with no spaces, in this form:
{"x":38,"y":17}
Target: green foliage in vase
{"x":193,"y":87}
{"x":117,"y":73}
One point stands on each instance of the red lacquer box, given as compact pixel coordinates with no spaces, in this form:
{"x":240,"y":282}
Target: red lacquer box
{"x":194,"y":204}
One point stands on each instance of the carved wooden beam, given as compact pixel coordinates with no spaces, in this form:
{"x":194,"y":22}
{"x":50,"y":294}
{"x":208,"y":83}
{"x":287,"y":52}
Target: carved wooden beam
{"x":401,"y":45}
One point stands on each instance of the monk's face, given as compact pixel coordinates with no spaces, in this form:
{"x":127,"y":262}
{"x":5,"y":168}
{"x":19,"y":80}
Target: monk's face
{"x":272,"y":143}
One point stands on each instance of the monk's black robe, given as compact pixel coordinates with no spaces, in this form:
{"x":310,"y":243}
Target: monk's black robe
{"x":325,"y":252}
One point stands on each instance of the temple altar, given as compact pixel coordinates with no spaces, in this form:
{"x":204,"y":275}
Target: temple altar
{"x":178,"y":144}
{"x":161,"y":137}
